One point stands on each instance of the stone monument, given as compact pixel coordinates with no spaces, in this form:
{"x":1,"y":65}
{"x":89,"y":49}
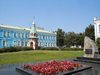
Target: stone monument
{"x":90,"y":48}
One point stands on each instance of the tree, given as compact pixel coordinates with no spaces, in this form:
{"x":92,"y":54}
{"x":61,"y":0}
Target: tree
{"x":98,"y":42}
{"x":89,"y":31}
{"x":70,"y":39}
{"x":80,"y":39}
{"x":60,"y":37}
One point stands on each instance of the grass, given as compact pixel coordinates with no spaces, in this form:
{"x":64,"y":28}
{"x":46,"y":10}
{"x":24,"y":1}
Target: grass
{"x":35,"y":56}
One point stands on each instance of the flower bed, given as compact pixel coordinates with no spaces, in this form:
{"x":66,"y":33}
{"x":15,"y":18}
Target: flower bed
{"x":52,"y":67}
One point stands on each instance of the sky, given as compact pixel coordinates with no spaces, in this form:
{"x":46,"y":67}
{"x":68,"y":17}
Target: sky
{"x":69,"y":15}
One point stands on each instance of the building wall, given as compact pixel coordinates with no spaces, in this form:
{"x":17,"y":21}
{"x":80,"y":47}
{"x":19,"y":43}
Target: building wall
{"x":46,"y":39}
{"x":13,"y":37}
{"x":19,"y":37}
{"x":97,"y":28}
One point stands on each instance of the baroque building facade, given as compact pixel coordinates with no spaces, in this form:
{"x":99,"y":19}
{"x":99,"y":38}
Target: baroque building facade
{"x":32,"y":37}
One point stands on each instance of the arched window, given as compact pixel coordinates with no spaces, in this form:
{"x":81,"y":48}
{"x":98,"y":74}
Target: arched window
{"x":4,"y":33}
{"x":4,"y":43}
{"x":18,"y":43}
{"x":8,"y":34}
{"x":15,"y":35}
{"x":40,"y":43}
{"x":19,"y":35}
{"x":43,"y":37}
{"x":22,"y":43}
{"x":25,"y":35}
{"x":46,"y":44}
{"x":14,"y":43}
{"x":25,"y":43}
{"x":22,"y":35}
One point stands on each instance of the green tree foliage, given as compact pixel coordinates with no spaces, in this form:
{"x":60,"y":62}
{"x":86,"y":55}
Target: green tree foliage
{"x":60,"y":37}
{"x":98,"y":42}
{"x":80,"y":39}
{"x":89,"y":31}
{"x":72,"y":39}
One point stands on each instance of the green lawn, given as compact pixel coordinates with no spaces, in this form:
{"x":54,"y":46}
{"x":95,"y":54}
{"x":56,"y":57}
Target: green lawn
{"x":35,"y":56}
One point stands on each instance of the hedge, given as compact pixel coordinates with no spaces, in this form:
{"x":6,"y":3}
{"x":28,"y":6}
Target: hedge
{"x":14,"y":49}
{"x":62,"y":49}
{"x":72,"y":49}
{"x":47,"y":48}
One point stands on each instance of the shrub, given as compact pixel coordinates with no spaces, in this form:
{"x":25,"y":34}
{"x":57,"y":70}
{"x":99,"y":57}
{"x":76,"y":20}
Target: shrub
{"x":14,"y":49}
{"x":2,"y":50}
{"x":26,"y":48}
{"x":62,"y":49}
{"x":72,"y":49}
{"x":47,"y":48}
{"x":98,"y":42}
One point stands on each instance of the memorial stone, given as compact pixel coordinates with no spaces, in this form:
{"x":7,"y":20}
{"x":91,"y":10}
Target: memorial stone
{"x":90,"y":48}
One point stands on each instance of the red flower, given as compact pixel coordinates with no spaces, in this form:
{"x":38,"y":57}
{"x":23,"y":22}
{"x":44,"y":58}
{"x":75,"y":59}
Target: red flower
{"x":52,"y":67}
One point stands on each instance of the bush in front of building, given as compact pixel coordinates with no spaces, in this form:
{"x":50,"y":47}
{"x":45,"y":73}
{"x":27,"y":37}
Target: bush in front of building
{"x":62,"y":49}
{"x":72,"y":49}
{"x":26,"y":48}
{"x":47,"y":48}
{"x":14,"y":49}
{"x":98,"y":42}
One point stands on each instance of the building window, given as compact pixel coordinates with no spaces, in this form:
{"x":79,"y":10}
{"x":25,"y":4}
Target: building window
{"x":15,"y":35}
{"x":50,"y":44}
{"x":8,"y":34}
{"x":22,"y":43}
{"x":40,"y":43}
{"x":46,"y":44}
{"x":4,"y":34}
{"x":25,"y":43}
{"x":26,"y":35}
{"x":46,"y":37}
{"x":4,"y":43}
{"x":19,"y":35}
{"x":14,"y":43}
{"x":18,"y":43}
{"x":22,"y":35}
{"x":43,"y":37}
{"x":49,"y":37}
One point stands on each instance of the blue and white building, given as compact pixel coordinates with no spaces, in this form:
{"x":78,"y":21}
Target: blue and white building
{"x":20,"y":36}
